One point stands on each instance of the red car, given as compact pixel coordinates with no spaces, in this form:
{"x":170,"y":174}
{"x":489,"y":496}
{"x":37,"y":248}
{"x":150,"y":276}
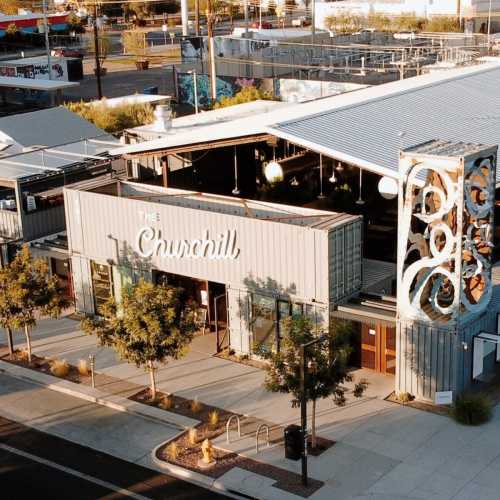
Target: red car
{"x":266,"y":25}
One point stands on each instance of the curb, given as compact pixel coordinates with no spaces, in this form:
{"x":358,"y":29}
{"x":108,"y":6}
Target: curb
{"x":118,"y":403}
{"x":192,"y":477}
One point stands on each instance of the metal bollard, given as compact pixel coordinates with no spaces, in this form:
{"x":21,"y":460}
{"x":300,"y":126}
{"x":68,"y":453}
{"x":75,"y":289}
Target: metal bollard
{"x":92,"y":365}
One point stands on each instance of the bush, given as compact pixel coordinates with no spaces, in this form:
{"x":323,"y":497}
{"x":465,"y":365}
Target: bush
{"x":246,"y":94}
{"x":59,"y":368}
{"x":472,"y":409}
{"x":83,"y":367}
{"x":113,"y":119}
{"x":443,"y":24}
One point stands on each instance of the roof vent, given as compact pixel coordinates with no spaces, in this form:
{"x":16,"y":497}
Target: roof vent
{"x":163,"y":118}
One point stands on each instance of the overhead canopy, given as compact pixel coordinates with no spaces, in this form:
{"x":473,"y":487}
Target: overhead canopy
{"x":32,"y":84}
{"x":370,"y":130}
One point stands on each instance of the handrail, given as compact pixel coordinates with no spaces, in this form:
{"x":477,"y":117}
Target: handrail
{"x":228,"y":423}
{"x":261,"y":426}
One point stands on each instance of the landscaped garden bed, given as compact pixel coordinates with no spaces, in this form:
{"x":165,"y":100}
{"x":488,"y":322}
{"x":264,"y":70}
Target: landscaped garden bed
{"x":185,"y":449}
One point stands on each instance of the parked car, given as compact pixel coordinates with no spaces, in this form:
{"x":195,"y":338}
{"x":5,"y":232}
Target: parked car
{"x":405,"y":35}
{"x":67,"y":52}
{"x":266,"y":25}
{"x":301,"y":21}
{"x":365,"y":30}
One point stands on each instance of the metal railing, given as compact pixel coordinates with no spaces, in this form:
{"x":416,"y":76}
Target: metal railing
{"x":229,"y":423}
{"x":261,"y":426}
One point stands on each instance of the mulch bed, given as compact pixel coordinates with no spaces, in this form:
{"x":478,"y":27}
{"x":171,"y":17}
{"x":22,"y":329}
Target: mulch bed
{"x":189,"y":454}
{"x":43,"y":365}
{"x":420,"y":405}
{"x":242,"y":359}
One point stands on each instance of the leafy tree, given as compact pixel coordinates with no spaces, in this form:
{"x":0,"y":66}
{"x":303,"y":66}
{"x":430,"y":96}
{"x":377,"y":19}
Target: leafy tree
{"x":149,"y":325}
{"x":442,"y":24}
{"x":327,"y":361}
{"x":116,"y":118}
{"x":9,"y":7}
{"x":134,"y":43}
{"x":28,"y":292}
{"x":246,"y":94}
{"x":104,"y":44}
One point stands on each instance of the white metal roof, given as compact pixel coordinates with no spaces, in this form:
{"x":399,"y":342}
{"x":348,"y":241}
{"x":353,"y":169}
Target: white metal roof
{"x":224,"y":123}
{"x":131,"y":99}
{"x":32,"y":84}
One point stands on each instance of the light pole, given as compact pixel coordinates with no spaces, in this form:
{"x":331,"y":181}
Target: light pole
{"x":97,"y":60}
{"x":195,"y":89}
{"x":47,"y":42}
{"x":489,"y":25}
{"x":303,"y":402}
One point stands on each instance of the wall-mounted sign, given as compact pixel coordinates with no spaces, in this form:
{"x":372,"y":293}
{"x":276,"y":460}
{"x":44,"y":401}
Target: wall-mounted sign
{"x":444,"y":398}
{"x":149,"y":243}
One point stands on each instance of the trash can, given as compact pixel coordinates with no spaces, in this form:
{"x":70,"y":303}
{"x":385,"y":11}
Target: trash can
{"x":150,"y":90}
{"x":293,"y":442}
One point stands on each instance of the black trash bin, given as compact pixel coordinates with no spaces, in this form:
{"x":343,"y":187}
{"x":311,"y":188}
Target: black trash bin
{"x":293,"y":442}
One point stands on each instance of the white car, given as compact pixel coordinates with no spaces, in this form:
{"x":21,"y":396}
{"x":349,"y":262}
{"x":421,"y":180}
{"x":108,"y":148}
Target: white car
{"x":405,"y":35}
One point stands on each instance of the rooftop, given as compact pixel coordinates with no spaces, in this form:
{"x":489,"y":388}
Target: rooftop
{"x":32,"y":84}
{"x":229,"y":205}
{"x":448,"y":149}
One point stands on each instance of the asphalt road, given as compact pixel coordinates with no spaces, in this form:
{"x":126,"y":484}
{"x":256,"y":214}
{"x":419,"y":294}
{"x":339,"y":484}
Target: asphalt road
{"x":35,"y":465}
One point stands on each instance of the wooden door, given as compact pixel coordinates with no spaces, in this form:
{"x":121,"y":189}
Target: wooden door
{"x":378,"y":348}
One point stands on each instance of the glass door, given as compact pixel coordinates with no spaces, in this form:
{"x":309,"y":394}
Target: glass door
{"x":102,"y":285}
{"x":263,"y":323}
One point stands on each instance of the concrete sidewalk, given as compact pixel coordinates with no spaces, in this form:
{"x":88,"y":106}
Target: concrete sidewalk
{"x":382,"y":451}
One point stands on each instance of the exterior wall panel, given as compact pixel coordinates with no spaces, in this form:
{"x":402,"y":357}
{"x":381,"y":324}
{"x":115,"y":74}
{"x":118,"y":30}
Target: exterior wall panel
{"x":9,"y":224}
{"x":43,"y":223}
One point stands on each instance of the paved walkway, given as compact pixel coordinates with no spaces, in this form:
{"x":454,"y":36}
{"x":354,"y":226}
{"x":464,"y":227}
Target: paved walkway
{"x":383,"y":451}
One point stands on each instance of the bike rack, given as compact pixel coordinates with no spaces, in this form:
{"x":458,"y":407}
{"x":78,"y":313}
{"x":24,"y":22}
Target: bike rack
{"x":229,"y":423}
{"x":261,"y":426}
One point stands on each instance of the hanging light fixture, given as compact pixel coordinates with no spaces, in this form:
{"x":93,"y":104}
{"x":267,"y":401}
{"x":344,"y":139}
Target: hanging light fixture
{"x":360,"y":200}
{"x":294,"y":182}
{"x":321,"y":195}
{"x":333,"y":179}
{"x":340,"y":167}
{"x":236,"y":190}
{"x":273,"y":171}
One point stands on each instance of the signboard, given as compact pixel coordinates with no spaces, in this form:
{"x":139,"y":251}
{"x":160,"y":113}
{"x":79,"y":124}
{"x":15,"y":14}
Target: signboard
{"x":444,"y":398}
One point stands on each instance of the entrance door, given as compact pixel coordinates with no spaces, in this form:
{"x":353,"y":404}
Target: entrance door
{"x":378,"y":348}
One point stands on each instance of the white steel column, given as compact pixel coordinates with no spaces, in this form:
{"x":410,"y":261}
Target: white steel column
{"x":185,"y":17}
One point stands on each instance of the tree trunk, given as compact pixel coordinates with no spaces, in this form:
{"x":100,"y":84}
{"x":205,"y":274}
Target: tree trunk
{"x":28,"y":341}
{"x":313,"y":425}
{"x":10,"y":343}
{"x":153,"y":381}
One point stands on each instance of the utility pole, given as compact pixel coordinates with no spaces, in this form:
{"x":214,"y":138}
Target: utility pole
{"x":211,"y":50}
{"x":96,"y":50}
{"x":47,"y":41}
{"x":197,"y":16}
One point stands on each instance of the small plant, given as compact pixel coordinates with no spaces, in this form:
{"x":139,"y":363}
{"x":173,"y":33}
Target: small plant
{"x":166,"y":402}
{"x":173,"y":451}
{"x":472,"y":409}
{"x":83,"y":367}
{"x":213,"y":419}
{"x":23,"y":355}
{"x":193,"y":436}
{"x":59,"y":367}
{"x":360,"y":388}
{"x":405,"y":397}
{"x":195,"y":405}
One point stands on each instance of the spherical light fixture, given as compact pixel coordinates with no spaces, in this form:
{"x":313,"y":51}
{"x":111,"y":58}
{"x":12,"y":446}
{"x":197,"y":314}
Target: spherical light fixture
{"x":273,"y":172}
{"x":388,"y":188}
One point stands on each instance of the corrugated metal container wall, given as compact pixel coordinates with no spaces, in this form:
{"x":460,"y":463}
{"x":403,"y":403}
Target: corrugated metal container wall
{"x":433,"y":359}
{"x":82,"y":284}
{"x":345,"y":260}
{"x":272,"y":255}
{"x":9,"y":224}
{"x":43,"y":223}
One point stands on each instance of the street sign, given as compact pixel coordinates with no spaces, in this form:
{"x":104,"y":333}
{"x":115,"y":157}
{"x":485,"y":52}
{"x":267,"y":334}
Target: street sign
{"x":444,"y":398}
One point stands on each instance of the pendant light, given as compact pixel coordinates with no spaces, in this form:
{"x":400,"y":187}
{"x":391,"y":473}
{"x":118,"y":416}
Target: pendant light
{"x":332,"y":179}
{"x":360,"y":200}
{"x":321,"y":195}
{"x":236,"y":190}
{"x":294,"y":182}
{"x":340,"y":167}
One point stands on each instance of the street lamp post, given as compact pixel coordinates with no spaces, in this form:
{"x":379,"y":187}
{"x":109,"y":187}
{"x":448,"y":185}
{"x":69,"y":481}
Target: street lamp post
{"x":303,"y":402}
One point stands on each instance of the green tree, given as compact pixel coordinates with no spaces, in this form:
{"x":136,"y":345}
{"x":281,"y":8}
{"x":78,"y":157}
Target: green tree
{"x":149,"y":325}
{"x":104,"y":44}
{"x":27,"y":292}
{"x":442,"y":24}
{"x":328,"y":364}
{"x":246,"y":94}
{"x":116,"y":118}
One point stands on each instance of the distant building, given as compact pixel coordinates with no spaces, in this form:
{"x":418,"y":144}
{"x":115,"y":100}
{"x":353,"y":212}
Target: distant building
{"x":475,"y":10}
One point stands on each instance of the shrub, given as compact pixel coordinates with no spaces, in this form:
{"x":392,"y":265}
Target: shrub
{"x":213,"y":419}
{"x":116,"y":118}
{"x":59,"y":367}
{"x":405,"y":397}
{"x":173,"y":451}
{"x":246,"y":94}
{"x":192,"y":436}
{"x":472,"y":409}
{"x":442,"y":24}
{"x":166,"y":403}
{"x":195,"y":405}
{"x":83,"y":367}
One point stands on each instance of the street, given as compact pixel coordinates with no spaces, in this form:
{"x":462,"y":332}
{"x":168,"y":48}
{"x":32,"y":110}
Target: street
{"x":36,"y":464}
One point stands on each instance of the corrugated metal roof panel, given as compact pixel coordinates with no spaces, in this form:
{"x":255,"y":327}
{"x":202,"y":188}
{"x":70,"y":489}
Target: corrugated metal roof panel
{"x":463,"y":109}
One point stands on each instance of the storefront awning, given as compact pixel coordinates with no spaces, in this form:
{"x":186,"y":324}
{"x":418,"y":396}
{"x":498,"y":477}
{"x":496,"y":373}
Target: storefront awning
{"x":365,"y":314}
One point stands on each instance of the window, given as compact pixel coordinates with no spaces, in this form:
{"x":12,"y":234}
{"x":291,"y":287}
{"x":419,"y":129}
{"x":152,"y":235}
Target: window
{"x":102,"y":285}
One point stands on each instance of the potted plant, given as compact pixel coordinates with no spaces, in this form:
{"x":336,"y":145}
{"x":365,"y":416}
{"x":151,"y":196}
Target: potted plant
{"x":134,"y":43}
